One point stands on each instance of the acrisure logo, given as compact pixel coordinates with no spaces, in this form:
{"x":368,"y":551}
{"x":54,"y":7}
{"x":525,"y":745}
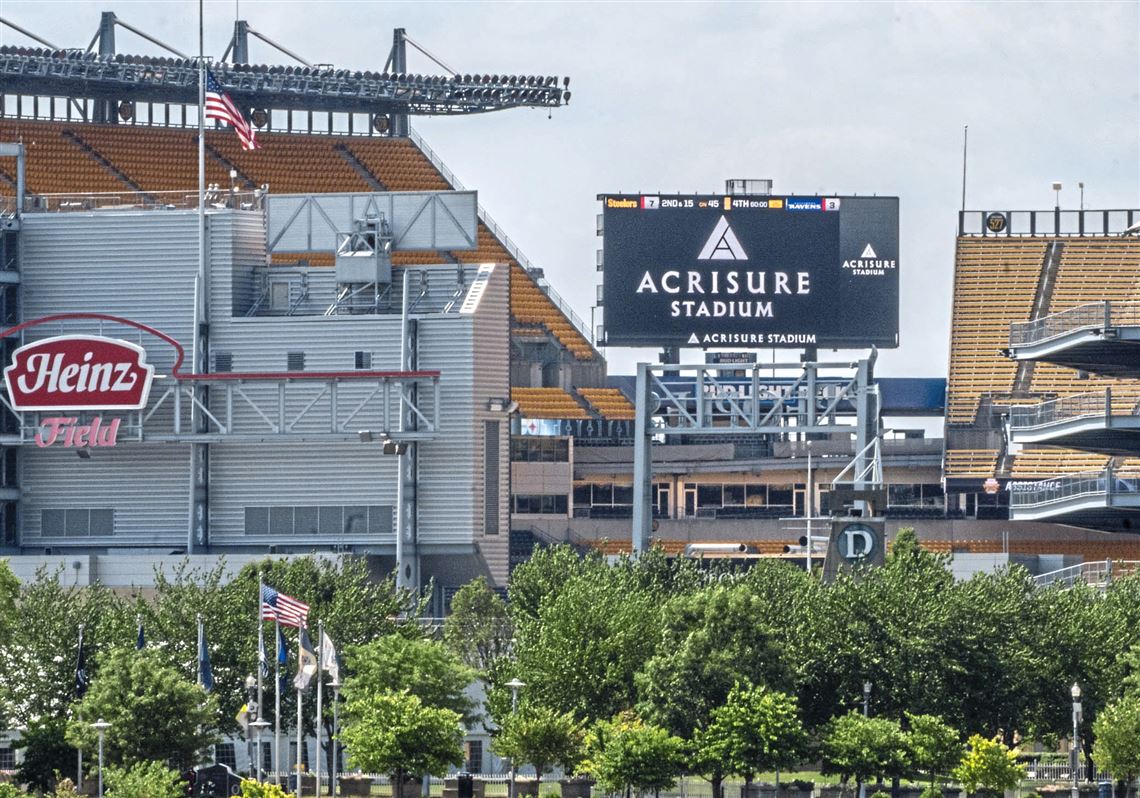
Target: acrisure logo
{"x":722,"y":244}
{"x":869,"y":264}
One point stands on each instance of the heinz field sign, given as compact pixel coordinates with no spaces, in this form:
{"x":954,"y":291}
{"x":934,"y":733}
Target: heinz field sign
{"x":720,"y":271}
{"x":76,"y":373}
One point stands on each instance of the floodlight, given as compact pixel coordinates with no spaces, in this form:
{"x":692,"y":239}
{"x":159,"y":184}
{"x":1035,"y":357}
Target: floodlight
{"x":566,"y":98}
{"x":1075,"y":691}
{"x":1056,"y":185}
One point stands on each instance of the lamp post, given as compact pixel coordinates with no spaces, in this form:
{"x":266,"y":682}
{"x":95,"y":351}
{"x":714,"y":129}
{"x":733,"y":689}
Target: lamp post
{"x":258,"y":727}
{"x":866,"y":714}
{"x":810,"y":505}
{"x":515,"y":686}
{"x":1075,"y":691}
{"x":252,"y":715}
{"x":101,"y":727}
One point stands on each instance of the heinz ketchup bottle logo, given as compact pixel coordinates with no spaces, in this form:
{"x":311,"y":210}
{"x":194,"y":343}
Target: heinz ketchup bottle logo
{"x":78,"y":372}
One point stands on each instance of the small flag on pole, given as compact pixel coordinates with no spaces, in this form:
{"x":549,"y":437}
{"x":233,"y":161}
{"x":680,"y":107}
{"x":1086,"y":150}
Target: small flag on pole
{"x":243,"y":717}
{"x":219,"y":106}
{"x":329,"y":662}
{"x":205,"y":672}
{"x":307,"y":664}
{"x":281,"y":608}
{"x":82,"y":682}
{"x":262,"y":659}
{"x":140,"y":640}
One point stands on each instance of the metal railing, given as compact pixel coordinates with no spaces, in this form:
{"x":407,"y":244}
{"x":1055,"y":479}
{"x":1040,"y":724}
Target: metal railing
{"x":1094,"y":404}
{"x":508,"y":244}
{"x":1045,"y":223}
{"x":1098,"y":573}
{"x":133,"y":200}
{"x":1062,"y":488}
{"x":1094,"y":315}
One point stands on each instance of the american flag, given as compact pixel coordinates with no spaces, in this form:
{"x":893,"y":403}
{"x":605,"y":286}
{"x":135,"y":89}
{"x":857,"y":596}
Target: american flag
{"x":283,"y":609}
{"x":220,"y":106}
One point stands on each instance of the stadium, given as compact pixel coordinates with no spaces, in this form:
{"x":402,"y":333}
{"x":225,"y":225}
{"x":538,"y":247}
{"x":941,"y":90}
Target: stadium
{"x":364,"y":363}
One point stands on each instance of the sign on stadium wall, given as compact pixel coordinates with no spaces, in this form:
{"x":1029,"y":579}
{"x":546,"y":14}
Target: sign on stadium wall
{"x":759,"y":272}
{"x":74,"y":374}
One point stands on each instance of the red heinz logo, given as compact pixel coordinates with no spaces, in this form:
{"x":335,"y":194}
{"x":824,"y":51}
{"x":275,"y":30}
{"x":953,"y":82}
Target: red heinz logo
{"x":78,"y":372}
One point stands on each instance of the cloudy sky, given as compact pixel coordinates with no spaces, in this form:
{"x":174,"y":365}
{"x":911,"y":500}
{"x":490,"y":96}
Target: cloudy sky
{"x":832,"y":98}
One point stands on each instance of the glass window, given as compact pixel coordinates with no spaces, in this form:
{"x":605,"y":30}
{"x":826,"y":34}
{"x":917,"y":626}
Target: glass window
{"x":582,"y":496}
{"x":224,"y":754}
{"x":306,"y":520}
{"x":355,"y":520}
{"x":281,"y":520}
{"x":257,"y":520}
{"x":780,"y":495}
{"x":733,"y":495}
{"x":623,"y":494}
{"x":933,"y":495}
{"x":902,"y":495}
{"x":77,"y":523}
{"x":51,"y":522}
{"x":604,"y":494}
{"x":709,"y":496}
{"x":756,"y":495}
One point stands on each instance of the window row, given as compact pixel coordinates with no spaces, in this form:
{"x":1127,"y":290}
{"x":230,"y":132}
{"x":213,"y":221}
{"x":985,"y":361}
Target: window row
{"x":294,"y":361}
{"x":319,"y":520}
{"x":77,"y":523}
{"x":538,"y":449}
{"x":540,"y":504}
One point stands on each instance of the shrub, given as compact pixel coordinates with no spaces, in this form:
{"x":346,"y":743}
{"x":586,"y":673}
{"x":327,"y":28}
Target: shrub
{"x":255,"y":789}
{"x":881,"y":794}
{"x":144,"y":780}
{"x":65,"y":788}
{"x":934,"y":792}
{"x":9,"y":790}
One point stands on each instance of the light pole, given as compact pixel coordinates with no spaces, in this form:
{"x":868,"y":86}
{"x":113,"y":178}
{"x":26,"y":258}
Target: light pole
{"x":258,"y":727}
{"x":1075,"y":691}
{"x":251,"y":716}
{"x":515,"y":686}
{"x":101,"y":727}
{"x":335,"y":769}
{"x":866,"y":714}
{"x":810,"y":505}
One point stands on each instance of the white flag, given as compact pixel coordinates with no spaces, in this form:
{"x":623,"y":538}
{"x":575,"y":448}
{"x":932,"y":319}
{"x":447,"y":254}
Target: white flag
{"x":329,"y":662}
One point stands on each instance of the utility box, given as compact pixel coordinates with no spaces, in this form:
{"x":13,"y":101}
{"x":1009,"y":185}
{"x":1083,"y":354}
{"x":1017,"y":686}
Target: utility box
{"x":364,"y":255}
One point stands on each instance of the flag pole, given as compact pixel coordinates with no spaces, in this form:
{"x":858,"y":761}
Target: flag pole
{"x":277,"y":698}
{"x":261,"y":663}
{"x":198,"y":656}
{"x":300,"y":717}
{"x":320,"y":684}
{"x":79,"y":766}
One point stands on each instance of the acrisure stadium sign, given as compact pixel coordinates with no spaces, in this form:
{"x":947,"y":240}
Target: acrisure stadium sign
{"x":722,"y":271}
{"x":74,"y":374}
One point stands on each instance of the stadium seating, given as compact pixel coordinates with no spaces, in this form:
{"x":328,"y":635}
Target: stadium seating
{"x":995,"y":283}
{"x":547,"y":403}
{"x":980,"y":463}
{"x":1049,"y":462}
{"x":608,"y":402}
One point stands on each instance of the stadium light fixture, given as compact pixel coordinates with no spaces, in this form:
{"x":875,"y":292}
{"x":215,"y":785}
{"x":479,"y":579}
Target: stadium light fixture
{"x":1057,"y":191}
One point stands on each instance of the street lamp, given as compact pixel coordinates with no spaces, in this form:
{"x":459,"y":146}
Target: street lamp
{"x":258,"y":727}
{"x":1075,"y":691}
{"x":101,"y":727}
{"x":252,"y":715}
{"x":335,"y":685}
{"x":866,"y":713}
{"x":515,"y":686}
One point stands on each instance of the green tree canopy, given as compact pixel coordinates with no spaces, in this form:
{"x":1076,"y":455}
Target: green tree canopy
{"x":935,"y":749}
{"x":144,"y":780}
{"x":541,"y":737}
{"x":865,"y":748}
{"x":424,"y":668}
{"x":711,"y":640}
{"x":479,"y":628}
{"x":988,"y":764}
{"x":397,"y":733}
{"x":155,"y":712}
{"x":1116,"y":733}
{"x":756,"y":730}
{"x":627,"y":754}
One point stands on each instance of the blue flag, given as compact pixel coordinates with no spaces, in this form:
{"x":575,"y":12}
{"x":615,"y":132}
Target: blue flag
{"x":205,"y":672}
{"x":140,"y":641}
{"x":282,"y":649}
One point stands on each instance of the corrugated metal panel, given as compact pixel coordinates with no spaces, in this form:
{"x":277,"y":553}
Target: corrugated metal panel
{"x":491,"y":379}
{"x":138,"y":265}
{"x":237,"y":247}
{"x":285,"y":474}
{"x":147,"y":485}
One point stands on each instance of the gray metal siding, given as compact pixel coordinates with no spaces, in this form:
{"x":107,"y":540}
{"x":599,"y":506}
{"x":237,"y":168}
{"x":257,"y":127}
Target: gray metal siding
{"x":296,"y":474}
{"x":146,"y":485}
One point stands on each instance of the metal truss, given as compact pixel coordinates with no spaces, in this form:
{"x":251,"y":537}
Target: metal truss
{"x":264,"y":408}
{"x":69,"y":73}
{"x":731,"y":399}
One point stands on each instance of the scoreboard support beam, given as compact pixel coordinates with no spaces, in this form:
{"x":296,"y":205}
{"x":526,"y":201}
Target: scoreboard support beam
{"x":642,"y":464}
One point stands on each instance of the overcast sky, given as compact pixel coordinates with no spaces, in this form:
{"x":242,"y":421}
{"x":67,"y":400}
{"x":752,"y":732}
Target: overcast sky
{"x":832,"y":98}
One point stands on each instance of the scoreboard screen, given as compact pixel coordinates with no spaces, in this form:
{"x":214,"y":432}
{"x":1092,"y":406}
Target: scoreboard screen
{"x":713,"y":271}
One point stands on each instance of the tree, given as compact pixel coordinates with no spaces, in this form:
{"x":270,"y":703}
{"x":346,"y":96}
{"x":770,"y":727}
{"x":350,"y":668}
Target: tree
{"x":1116,"y":747}
{"x":711,"y":640}
{"x":625,"y":754}
{"x":397,"y":733}
{"x":541,"y":737}
{"x":425,"y":668}
{"x":864,"y":748}
{"x":934,"y":747}
{"x":46,"y":753}
{"x":990,"y":765}
{"x":144,"y":780}
{"x":479,"y":627}
{"x":758,"y":730}
{"x":156,"y":713}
